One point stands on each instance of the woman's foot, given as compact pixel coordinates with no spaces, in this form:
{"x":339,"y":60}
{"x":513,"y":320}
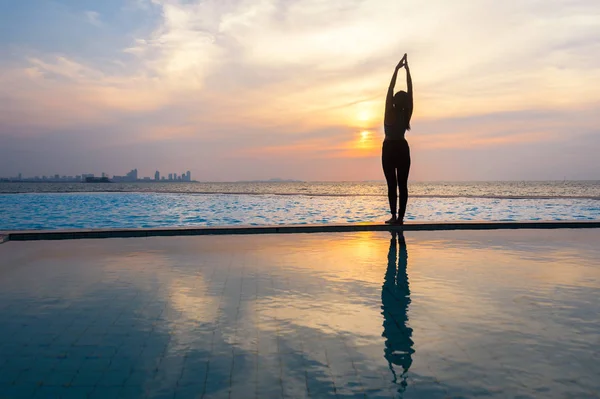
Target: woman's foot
{"x":398,"y":222}
{"x":391,"y":220}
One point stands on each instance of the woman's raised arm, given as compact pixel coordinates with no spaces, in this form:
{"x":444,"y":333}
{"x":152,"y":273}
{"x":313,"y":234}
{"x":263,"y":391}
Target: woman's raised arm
{"x":389,"y":100}
{"x":409,"y":89}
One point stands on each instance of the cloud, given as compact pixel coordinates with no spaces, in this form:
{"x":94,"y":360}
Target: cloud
{"x":93,"y":18}
{"x":273,"y":75}
{"x":181,"y":52}
{"x":506,"y":128}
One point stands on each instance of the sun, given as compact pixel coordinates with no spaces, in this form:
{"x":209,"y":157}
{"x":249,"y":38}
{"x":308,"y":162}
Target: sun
{"x":364,"y":135}
{"x":364,"y":116}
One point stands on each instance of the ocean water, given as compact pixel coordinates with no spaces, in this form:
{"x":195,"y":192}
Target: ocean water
{"x":63,"y":205}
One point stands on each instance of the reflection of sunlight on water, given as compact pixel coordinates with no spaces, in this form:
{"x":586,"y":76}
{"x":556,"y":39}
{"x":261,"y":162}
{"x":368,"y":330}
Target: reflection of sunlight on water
{"x":347,"y":259}
{"x":450,"y":278}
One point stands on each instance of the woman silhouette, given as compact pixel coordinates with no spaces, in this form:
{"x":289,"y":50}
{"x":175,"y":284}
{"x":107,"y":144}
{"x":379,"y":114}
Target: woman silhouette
{"x":395,"y":299}
{"x":395,"y":152}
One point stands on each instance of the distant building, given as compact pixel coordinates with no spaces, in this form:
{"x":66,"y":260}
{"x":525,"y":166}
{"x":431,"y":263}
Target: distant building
{"x":188,"y":176}
{"x":157,"y":176}
{"x":132,"y":175}
{"x":170,"y":176}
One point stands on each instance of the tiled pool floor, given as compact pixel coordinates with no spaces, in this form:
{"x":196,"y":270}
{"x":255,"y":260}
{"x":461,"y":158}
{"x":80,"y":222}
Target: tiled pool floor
{"x":445,"y":314}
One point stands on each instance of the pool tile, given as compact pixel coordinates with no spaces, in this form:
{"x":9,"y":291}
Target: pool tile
{"x":243,"y":388}
{"x":77,"y":392}
{"x":19,"y":363}
{"x":7,"y":349}
{"x":8,"y":375}
{"x":190,"y":392}
{"x":124,"y":364}
{"x":59,"y":378}
{"x":86,"y":378}
{"x":193,"y":375}
{"x":94,"y":363}
{"x":49,"y":392}
{"x":219,"y":393}
{"x":295,"y":387}
{"x":135,"y":378}
{"x":131,"y":392}
{"x":32,"y":376}
{"x":68,"y":364}
{"x":105,"y":392}
{"x":382,"y":393}
{"x":18,"y":391}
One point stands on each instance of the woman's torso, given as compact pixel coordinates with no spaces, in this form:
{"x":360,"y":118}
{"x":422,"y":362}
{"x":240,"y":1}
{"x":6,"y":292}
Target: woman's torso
{"x":394,"y":132}
{"x":395,"y":127}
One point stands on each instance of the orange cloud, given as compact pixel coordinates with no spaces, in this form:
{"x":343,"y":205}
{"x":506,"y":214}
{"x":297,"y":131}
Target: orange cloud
{"x":358,"y":144}
{"x":466,"y":140}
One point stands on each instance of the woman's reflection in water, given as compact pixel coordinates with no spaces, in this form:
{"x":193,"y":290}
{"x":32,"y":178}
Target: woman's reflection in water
{"x":395,"y":298}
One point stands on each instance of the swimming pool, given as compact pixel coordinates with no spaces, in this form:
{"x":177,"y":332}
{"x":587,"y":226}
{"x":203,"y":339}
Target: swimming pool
{"x":436,"y":315}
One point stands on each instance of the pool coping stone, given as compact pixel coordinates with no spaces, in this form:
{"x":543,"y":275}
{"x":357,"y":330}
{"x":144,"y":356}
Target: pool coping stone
{"x":70,"y":234}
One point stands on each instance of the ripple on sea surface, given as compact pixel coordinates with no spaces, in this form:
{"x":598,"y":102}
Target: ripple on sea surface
{"x":130,"y":210}
{"x":484,"y":189}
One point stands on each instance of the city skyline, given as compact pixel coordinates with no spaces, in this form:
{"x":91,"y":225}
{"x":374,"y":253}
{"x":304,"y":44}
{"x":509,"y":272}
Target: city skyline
{"x":244,"y":90}
{"x":131,"y":176}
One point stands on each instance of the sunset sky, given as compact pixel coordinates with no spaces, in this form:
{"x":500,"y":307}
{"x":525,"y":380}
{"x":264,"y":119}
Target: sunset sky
{"x":255,"y":89}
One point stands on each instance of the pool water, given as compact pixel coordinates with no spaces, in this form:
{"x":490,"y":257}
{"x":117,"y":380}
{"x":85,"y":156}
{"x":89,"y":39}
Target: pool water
{"x":429,"y":314}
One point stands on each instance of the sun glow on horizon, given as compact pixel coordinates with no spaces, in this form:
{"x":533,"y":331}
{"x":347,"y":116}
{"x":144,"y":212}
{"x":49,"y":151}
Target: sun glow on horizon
{"x":365,"y":141}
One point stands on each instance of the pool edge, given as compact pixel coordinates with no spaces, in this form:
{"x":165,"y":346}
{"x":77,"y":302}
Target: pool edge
{"x":34,"y":235}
